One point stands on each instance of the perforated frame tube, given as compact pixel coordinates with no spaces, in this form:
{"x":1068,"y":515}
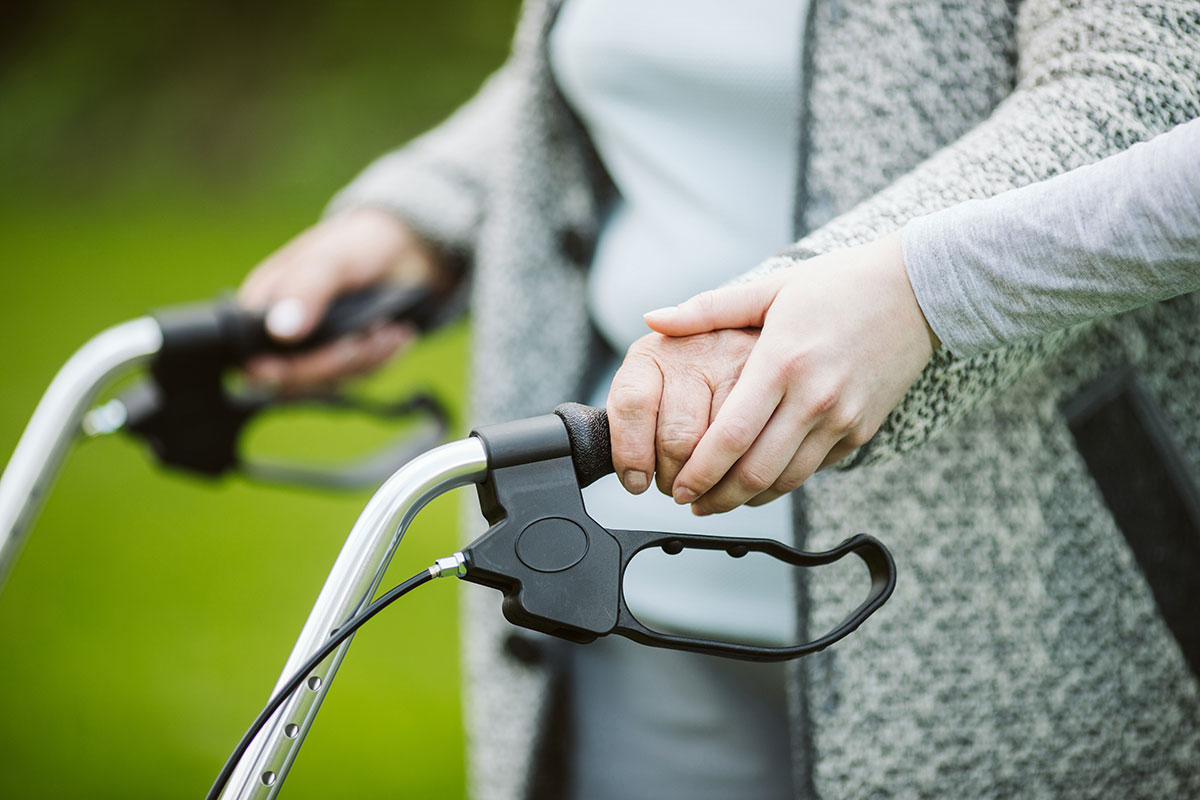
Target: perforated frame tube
{"x":350,"y":586}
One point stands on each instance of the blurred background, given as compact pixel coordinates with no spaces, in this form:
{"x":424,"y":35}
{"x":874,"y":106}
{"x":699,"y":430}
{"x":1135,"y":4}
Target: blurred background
{"x":151,"y":154}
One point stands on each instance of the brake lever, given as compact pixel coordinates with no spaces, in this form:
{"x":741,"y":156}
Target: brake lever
{"x":373,"y":468}
{"x":193,"y":421}
{"x":562,"y":573}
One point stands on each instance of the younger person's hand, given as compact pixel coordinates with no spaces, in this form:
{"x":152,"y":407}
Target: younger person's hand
{"x":842,"y":339}
{"x":295,"y":285}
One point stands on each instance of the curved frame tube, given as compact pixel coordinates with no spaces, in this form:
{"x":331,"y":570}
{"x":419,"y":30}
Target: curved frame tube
{"x":55,"y":423}
{"x":350,"y":586}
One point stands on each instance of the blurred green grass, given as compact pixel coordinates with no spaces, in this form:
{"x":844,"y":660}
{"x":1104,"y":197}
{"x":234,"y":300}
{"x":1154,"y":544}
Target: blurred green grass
{"x":151,"y":154}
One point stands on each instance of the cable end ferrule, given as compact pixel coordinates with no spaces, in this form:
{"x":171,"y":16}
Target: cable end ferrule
{"x":450,"y":565}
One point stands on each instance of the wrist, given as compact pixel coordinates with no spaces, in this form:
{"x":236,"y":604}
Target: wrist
{"x":915,"y":316}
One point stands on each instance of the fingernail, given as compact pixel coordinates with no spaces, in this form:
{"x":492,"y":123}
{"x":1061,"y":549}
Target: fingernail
{"x":684,"y":495}
{"x":700,"y":512}
{"x":664,"y":313}
{"x":636,"y":482}
{"x":286,"y":318}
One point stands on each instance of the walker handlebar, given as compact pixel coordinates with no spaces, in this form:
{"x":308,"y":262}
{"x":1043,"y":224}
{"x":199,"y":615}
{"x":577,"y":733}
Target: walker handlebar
{"x":192,"y":420}
{"x":186,"y":412}
{"x":560,"y":571}
{"x":229,"y":335}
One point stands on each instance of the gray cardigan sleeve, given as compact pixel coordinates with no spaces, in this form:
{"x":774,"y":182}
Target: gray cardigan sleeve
{"x":1093,"y":242}
{"x":438,"y":183}
{"x":1093,"y":76}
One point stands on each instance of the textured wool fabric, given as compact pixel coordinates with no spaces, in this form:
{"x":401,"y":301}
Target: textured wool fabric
{"x":1022,"y":653}
{"x":1090,"y":243}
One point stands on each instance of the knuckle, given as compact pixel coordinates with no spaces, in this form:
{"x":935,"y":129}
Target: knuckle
{"x":645,"y":347}
{"x":843,"y":418}
{"x":787,"y":483}
{"x":637,"y":351}
{"x":630,"y":402}
{"x":684,"y":349}
{"x":736,"y":434}
{"x":677,"y":438}
{"x":754,"y":478}
{"x":791,"y":364}
{"x":824,"y":401}
{"x":858,"y":437}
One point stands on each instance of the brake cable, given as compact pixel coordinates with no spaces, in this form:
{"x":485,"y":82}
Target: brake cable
{"x":339,"y":635}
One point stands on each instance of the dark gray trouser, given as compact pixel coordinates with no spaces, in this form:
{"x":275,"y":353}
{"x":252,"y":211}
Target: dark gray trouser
{"x":660,"y":724}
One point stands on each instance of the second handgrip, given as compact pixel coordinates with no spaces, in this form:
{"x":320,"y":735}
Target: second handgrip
{"x":193,"y":419}
{"x":224,"y":334}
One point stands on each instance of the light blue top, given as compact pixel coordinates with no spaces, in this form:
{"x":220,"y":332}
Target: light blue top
{"x":691,"y":105}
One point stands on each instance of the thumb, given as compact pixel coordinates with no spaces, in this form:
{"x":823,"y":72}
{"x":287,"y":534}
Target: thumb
{"x":302,"y":300}
{"x":742,"y":306}
{"x":289,"y":319}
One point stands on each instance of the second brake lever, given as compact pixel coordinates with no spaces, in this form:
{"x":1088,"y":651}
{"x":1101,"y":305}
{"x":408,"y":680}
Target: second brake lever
{"x":368,"y":470}
{"x":561,"y":572}
{"x":192,"y":420}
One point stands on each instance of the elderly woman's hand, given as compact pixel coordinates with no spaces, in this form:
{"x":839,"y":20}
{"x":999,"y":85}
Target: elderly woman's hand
{"x":664,"y":396}
{"x":842,"y":338}
{"x":296,"y":284}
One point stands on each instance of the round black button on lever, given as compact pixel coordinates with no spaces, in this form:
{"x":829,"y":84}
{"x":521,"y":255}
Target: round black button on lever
{"x":552,"y":545}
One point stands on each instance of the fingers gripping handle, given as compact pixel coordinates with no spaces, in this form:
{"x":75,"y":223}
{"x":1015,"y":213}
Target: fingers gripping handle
{"x":188,"y":414}
{"x":348,"y":314}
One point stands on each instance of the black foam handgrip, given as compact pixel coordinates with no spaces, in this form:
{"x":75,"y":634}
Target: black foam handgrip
{"x":349,"y":313}
{"x":591,"y":447}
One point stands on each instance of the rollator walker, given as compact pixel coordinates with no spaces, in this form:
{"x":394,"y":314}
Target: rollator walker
{"x":558,"y":570}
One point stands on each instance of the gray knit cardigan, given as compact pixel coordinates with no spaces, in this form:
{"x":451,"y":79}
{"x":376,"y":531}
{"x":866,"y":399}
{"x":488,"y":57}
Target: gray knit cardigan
{"x":1023,"y":653}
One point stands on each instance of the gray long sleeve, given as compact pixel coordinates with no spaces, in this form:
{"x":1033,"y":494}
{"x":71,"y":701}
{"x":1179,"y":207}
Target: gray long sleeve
{"x":1098,"y":240}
